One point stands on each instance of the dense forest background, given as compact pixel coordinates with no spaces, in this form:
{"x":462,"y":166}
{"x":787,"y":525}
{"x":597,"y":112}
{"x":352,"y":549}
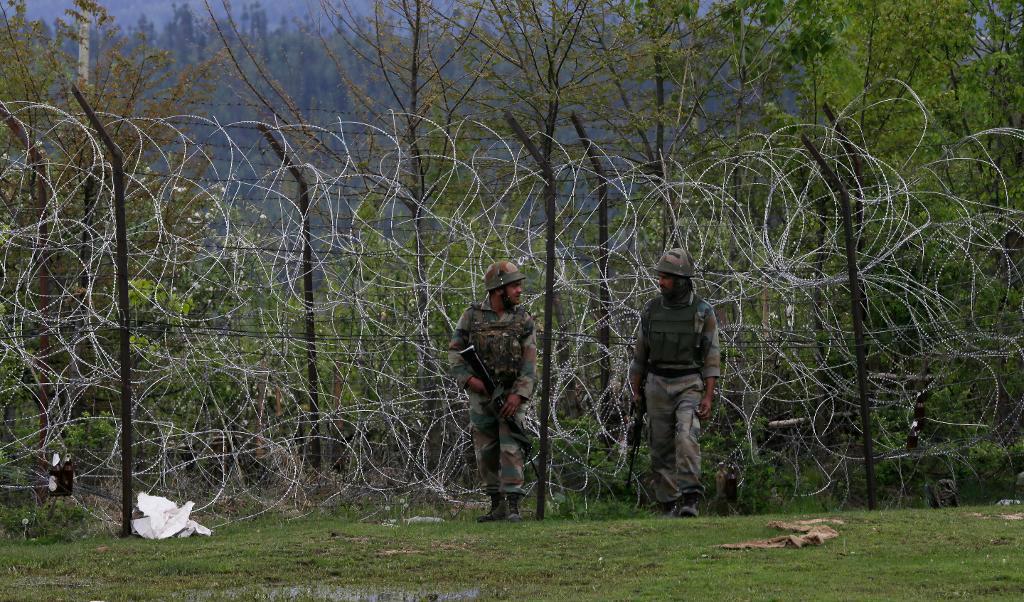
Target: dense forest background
{"x":142,"y":13}
{"x":712,"y":70}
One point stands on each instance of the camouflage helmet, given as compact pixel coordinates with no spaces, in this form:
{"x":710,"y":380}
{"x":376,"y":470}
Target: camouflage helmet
{"x":676,"y":261}
{"x":501,"y":273}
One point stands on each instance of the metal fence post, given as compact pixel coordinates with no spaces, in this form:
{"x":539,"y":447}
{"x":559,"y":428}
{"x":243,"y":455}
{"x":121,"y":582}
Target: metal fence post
{"x":121,"y":264}
{"x":858,"y":319}
{"x":549,"y":299}
{"x":603,"y":315}
{"x":307,"y":297}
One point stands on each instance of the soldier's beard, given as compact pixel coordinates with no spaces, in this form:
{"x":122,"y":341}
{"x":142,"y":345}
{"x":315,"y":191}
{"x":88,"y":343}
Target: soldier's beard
{"x":680,"y":291}
{"x":507,"y":301}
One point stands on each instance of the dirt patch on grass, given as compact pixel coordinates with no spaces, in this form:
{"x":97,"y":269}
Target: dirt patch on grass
{"x":1015,"y":516}
{"x":360,"y":539}
{"x":399,"y":552}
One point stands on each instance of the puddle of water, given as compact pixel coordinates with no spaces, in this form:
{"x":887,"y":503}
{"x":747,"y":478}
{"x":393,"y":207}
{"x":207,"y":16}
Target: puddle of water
{"x":295,"y":593}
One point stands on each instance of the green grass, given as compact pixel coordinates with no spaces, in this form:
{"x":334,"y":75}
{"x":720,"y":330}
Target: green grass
{"x":905,"y":554}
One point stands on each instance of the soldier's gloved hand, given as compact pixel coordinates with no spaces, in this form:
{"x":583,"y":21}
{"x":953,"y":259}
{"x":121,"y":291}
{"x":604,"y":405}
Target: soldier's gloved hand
{"x":508,"y":409}
{"x":476,"y":385}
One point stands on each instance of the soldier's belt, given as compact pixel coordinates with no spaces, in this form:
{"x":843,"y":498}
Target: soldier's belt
{"x":673,"y":372}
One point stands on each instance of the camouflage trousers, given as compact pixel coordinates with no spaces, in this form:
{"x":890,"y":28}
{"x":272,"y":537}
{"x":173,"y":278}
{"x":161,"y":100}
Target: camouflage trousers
{"x":674,"y":433}
{"x":499,"y":455}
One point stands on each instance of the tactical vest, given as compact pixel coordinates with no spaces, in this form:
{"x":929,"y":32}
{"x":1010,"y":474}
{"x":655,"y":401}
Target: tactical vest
{"x":498,"y":343}
{"x":672,"y":336}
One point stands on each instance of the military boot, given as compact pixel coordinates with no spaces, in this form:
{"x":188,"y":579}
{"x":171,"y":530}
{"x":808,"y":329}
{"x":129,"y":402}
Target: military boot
{"x":498,"y":510}
{"x":668,"y":509}
{"x":513,"y":508}
{"x":689,"y":506}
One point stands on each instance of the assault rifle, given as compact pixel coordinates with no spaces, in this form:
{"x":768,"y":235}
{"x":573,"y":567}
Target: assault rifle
{"x":497,"y":393}
{"x":479,"y":369}
{"x":635,"y":432}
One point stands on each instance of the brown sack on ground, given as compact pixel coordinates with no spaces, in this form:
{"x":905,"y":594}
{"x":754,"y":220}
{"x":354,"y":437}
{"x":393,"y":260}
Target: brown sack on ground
{"x":804,"y":526}
{"x":815,"y":533}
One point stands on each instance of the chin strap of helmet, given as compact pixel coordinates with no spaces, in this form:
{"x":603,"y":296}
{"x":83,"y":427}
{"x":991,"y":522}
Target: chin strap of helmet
{"x":505,"y":301}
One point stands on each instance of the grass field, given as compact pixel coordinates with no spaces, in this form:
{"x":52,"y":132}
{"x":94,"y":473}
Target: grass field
{"x":904,"y":554}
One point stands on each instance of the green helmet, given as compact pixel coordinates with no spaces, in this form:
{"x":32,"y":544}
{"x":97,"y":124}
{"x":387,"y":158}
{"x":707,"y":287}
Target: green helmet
{"x":677,"y":262}
{"x":501,"y":273}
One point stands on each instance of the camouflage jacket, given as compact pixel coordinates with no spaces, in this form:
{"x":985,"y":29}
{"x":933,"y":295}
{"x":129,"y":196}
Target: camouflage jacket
{"x":480,"y":317}
{"x":706,"y":324}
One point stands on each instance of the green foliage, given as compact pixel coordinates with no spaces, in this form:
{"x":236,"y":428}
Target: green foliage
{"x":577,"y":506}
{"x":11,"y":368}
{"x":654,"y":15}
{"x":761,"y":486}
{"x":991,"y":469}
{"x":144,"y":293}
{"x":56,"y":521}
{"x":12,"y":474}
{"x":583,"y":443}
{"x":816,"y":32}
{"x":91,"y":436}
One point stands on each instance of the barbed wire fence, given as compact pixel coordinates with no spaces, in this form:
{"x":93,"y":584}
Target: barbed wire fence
{"x":224,"y":412}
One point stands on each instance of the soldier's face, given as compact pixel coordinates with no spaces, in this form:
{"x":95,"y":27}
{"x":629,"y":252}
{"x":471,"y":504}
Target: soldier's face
{"x":514,"y":291}
{"x":666,"y":282}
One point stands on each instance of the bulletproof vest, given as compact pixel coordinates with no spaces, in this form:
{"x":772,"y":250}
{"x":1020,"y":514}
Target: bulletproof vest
{"x":671,"y":335}
{"x":498,"y":345}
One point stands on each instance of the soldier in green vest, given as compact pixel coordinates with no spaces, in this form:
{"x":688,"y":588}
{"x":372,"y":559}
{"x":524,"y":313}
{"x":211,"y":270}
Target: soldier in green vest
{"x":502,"y":333}
{"x":677,"y":362}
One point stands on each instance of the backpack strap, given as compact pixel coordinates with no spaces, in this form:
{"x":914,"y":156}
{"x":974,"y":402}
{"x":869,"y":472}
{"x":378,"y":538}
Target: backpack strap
{"x":645,"y":318}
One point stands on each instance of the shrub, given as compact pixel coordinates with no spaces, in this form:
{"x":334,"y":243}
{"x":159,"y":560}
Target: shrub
{"x":55,"y":521}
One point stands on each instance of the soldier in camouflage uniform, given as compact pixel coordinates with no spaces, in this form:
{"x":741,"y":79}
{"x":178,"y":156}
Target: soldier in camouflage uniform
{"x":677,"y":362}
{"x":503,"y":333}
